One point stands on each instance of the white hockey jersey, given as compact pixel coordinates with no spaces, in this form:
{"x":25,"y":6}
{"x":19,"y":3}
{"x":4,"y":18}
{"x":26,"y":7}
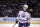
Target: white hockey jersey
{"x":23,"y":16}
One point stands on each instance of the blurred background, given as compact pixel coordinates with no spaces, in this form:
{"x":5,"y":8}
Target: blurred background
{"x":11,"y":8}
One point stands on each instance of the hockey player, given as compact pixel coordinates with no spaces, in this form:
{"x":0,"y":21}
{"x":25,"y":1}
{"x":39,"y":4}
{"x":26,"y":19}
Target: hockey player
{"x":24,"y":17}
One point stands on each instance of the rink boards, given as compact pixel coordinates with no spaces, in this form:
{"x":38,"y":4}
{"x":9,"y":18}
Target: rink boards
{"x":12,"y":20}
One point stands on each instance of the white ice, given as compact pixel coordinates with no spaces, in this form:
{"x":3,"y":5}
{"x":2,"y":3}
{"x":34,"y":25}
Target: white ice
{"x":11,"y":25}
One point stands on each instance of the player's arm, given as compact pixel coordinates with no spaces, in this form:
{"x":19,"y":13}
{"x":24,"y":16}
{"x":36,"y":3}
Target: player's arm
{"x":29,"y":18}
{"x":18,"y":18}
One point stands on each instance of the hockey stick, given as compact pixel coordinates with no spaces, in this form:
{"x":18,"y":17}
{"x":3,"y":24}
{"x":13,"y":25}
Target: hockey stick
{"x":14,"y":25}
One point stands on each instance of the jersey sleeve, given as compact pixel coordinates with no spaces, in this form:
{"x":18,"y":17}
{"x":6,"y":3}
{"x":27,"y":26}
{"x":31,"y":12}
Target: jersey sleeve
{"x":18,"y":16}
{"x":19,"y":13}
{"x":29,"y":17}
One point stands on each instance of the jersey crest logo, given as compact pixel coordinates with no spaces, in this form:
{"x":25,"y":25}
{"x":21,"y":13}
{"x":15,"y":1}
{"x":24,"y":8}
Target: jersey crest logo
{"x":23,"y":15}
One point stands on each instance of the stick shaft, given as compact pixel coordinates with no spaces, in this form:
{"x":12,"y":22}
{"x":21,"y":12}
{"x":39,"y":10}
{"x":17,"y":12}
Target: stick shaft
{"x":14,"y":25}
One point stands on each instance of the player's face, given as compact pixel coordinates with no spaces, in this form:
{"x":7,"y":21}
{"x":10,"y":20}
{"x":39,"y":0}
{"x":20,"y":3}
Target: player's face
{"x":24,"y":8}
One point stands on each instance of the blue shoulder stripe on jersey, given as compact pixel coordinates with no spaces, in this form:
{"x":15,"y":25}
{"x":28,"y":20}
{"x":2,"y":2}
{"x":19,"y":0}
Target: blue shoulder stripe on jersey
{"x":21,"y":9}
{"x":26,"y":10}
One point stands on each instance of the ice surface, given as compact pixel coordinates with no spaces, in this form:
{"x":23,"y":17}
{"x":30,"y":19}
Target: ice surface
{"x":11,"y":25}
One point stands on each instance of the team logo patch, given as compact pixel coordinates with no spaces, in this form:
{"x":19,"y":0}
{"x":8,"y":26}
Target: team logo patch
{"x":23,"y":15}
